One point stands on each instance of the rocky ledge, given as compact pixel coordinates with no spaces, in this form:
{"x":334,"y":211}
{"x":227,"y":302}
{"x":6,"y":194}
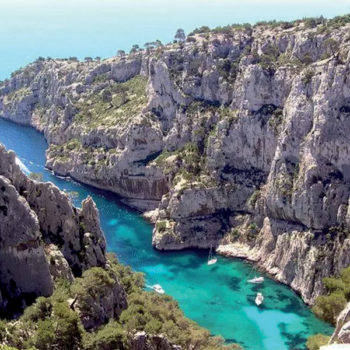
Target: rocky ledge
{"x":238,"y":135}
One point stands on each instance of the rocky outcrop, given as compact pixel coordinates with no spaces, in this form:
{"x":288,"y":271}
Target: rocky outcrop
{"x":21,"y":252}
{"x":42,"y":237}
{"x":99,"y":301}
{"x":341,"y":334}
{"x":237,"y":137}
{"x":144,"y":341}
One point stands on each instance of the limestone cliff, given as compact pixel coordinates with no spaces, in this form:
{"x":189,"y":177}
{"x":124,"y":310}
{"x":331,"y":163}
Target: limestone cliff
{"x":237,"y":137}
{"x":341,"y":334}
{"x":42,"y":237}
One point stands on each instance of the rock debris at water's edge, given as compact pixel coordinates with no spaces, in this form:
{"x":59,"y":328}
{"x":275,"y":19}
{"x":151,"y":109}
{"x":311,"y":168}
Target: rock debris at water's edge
{"x":234,"y":136}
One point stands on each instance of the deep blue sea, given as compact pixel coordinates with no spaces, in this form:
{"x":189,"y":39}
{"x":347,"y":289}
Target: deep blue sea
{"x":217,"y":297}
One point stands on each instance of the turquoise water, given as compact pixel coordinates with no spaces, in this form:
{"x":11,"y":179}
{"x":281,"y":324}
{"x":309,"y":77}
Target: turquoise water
{"x":217,"y":296}
{"x":63,"y":28}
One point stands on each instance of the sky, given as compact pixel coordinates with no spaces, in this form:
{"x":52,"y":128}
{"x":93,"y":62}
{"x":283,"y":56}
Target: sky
{"x":63,"y":28}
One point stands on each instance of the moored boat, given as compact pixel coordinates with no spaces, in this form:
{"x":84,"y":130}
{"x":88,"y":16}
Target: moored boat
{"x":158,"y":288}
{"x":259,"y":299}
{"x":256,"y":280}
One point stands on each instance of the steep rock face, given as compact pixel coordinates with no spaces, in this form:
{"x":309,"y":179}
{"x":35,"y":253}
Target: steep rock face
{"x":42,"y":236}
{"x":341,"y":334}
{"x":237,"y":137}
{"x":20,"y":242}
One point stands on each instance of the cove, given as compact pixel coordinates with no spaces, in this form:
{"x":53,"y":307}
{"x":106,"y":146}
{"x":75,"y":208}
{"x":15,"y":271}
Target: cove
{"x":217,"y":297}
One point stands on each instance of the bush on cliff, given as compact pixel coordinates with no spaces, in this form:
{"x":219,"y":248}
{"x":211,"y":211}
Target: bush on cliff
{"x":62,"y":330}
{"x":329,"y":306}
{"x":316,"y":341}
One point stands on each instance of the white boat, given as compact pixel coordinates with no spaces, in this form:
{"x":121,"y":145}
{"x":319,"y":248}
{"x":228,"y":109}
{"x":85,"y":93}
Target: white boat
{"x":158,"y":288}
{"x":259,"y":299}
{"x":211,"y":258}
{"x":256,"y":280}
{"x":212,"y":261}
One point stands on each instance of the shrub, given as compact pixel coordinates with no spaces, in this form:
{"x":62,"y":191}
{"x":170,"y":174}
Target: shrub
{"x":254,"y":197}
{"x":161,"y":226}
{"x":131,"y":281}
{"x":36,"y":176}
{"x":308,"y":75}
{"x":269,"y":58}
{"x":329,"y":306}
{"x":316,"y":341}
{"x":111,"y":336}
{"x":2,"y":331}
{"x":331,"y":45}
{"x":38,"y":311}
{"x":95,"y":282}
{"x":62,"y":330}
{"x":276,"y":120}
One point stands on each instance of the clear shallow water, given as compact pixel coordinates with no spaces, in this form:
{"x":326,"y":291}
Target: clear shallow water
{"x":217,"y":297}
{"x":64,"y":28}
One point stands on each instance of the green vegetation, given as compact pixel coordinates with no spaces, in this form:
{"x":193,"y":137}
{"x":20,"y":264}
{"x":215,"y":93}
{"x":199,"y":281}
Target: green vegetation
{"x":53,"y":323}
{"x":338,"y":21}
{"x":114,"y":104}
{"x":228,"y":113}
{"x":309,"y":23}
{"x":268,"y":60}
{"x":284,"y":183}
{"x":188,"y":161}
{"x":36,"y":176}
{"x":180,"y":35}
{"x":276,"y":120}
{"x":254,"y":197}
{"x":19,"y":94}
{"x":161,"y":226}
{"x":228,"y":69}
{"x":332,"y":46}
{"x":228,"y":30}
{"x":252,"y":231}
{"x":329,"y":306}
{"x":62,"y":152}
{"x":308,"y":75}
{"x":316,"y":341}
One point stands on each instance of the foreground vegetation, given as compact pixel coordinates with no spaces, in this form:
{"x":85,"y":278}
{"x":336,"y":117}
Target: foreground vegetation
{"x":329,"y":306}
{"x":52,"y":323}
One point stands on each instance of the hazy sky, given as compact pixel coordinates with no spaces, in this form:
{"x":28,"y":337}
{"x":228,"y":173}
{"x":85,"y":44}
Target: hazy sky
{"x":61,"y":28}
